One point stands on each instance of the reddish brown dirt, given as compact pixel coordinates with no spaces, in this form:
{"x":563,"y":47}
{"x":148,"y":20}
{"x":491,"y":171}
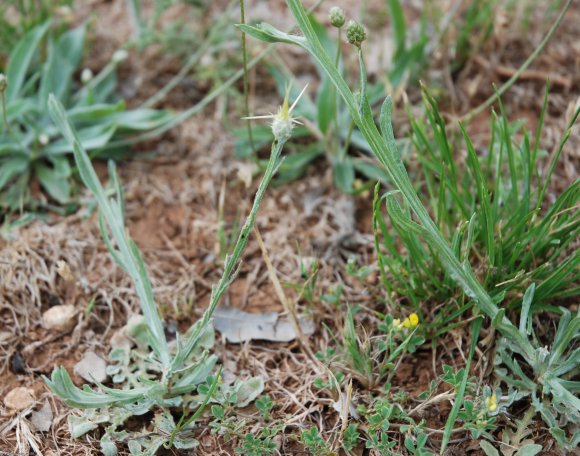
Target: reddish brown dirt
{"x":172,"y":212}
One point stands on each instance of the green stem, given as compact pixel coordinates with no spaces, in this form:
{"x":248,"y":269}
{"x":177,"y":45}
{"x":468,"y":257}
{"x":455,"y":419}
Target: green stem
{"x":335,"y":95}
{"x":246,"y":85}
{"x":347,"y":142}
{"x":387,"y":153}
{"x":181,"y":424}
{"x":232,"y":261}
{"x":475,"y":329}
{"x":6,"y":124}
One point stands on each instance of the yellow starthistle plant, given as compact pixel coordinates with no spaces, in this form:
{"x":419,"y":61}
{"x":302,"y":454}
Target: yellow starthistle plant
{"x":282,"y":122}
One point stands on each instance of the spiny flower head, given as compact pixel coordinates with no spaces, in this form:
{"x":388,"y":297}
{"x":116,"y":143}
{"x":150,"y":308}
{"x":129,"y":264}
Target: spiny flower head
{"x":283,"y":122}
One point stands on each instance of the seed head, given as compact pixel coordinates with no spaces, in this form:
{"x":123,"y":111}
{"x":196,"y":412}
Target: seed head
{"x":336,"y":16}
{"x":355,"y":33}
{"x":3,"y":83}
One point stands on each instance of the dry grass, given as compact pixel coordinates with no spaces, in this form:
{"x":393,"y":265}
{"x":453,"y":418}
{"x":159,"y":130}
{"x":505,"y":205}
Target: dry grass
{"x":172,"y":208}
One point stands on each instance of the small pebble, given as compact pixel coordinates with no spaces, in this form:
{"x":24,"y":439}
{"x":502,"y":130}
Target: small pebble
{"x":17,"y":364}
{"x":59,"y":318}
{"x":19,"y":398}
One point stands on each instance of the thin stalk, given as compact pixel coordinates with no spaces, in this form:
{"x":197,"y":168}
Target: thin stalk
{"x":347,"y":142}
{"x":232,"y":261}
{"x":475,"y":329}
{"x":183,"y":423}
{"x":245,"y":68}
{"x":335,"y":95}
{"x":510,"y":82}
{"x":4,"y":115}
{"x":387,"y":153}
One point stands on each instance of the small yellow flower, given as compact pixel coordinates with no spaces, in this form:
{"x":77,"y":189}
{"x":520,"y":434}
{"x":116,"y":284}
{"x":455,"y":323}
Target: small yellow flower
{"x":397,"y":323}
{"x":411,"y":321}
{"x":491,"y":403}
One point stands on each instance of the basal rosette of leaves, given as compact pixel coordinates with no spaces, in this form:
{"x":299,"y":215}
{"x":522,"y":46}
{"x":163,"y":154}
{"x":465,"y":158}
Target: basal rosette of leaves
{"x":31,"y":148}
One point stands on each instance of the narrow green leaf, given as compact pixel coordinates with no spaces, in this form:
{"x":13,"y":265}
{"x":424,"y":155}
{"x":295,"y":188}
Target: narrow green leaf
{"x":487,"y":448}
{"x":458,"y":403}
{"x":21,"y":58}
{"x":525,"y":315}
{"x":399,"y":24}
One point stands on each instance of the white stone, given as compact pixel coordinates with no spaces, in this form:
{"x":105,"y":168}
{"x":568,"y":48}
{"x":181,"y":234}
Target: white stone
{"x":19,"y":398}
{"x":59,"y":318}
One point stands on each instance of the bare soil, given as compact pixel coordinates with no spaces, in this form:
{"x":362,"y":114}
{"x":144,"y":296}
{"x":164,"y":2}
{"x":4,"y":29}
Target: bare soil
{"x":172,"y":203}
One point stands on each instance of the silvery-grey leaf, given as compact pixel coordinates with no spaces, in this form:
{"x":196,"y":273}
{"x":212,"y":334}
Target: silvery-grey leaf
{"x":91,"y":368}
{"x":239,"y":326}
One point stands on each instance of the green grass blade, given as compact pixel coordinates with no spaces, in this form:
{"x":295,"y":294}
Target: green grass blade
{"x":132,"y":261}
{"x":475,"y":329}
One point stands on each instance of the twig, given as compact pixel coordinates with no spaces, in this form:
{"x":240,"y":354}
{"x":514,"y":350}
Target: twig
{"x":534,"y":75}
{"x":498,"y":93}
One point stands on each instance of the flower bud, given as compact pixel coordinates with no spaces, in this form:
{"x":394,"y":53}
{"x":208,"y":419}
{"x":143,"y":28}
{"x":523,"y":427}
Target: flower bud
{"x":355,"y":33}
{"x":120,"y":55}
{"x":3,"y":83}
{"x":336,"y":16}
{"x":86,"y":75}
{"x":65,"y":13}
{"x":43,"y":139}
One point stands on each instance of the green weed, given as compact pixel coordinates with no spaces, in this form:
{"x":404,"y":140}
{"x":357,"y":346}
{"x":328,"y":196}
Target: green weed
{"x":552,"y":369}
{"x":31,"y":149}
{"x":157,"y":373}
